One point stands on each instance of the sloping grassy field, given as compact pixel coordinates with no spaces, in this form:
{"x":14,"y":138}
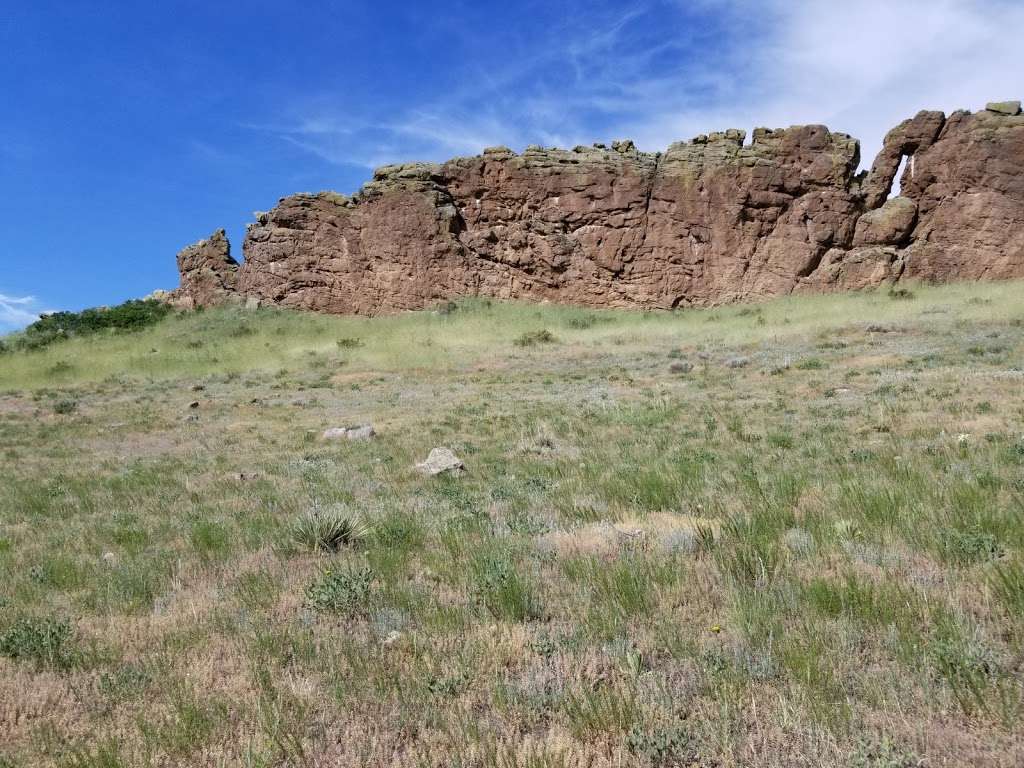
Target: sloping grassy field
{"x":787,"y":534}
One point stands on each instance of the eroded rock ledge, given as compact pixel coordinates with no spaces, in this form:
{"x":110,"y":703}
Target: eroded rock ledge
{"x":707,"y":221}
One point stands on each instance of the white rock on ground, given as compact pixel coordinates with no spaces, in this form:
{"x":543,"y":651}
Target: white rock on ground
{"x":441,"y":460}
{"x":364,"y":432}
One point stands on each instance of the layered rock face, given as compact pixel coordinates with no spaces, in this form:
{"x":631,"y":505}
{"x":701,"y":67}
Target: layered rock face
{"x":707,"y":221}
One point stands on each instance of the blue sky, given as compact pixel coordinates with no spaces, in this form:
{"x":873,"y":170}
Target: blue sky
{"x":131,"y":129}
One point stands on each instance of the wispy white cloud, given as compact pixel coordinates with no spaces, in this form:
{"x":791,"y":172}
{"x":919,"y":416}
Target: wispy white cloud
{"x":18,"y":311}
{"x":651,"y":73}
{"x":859,"y":67}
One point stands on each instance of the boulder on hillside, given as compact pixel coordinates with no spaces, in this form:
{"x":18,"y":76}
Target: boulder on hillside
{"x":441,"y":461}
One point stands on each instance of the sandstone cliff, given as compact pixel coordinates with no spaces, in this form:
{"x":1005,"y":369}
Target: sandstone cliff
{"x":707,"y":221}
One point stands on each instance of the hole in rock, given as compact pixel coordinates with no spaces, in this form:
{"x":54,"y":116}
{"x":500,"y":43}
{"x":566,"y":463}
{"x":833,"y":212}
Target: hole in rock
{"x":896,"y":186}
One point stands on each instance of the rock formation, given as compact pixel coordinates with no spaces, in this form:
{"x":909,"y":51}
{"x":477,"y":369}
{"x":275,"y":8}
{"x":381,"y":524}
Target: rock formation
{"x":209,"y":274}
{"x":707,"y":221}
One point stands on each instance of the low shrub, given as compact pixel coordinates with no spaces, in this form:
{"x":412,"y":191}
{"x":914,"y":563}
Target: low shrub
{"x":65,"y":407}
{"x":660,"y":745}
{"x":968,"y":547}
{"x":133,"y":315}
{"x":900,"y":293}
{"x":532,"y":338}
{"x":44,"y":641}
{"x":341,"y":589}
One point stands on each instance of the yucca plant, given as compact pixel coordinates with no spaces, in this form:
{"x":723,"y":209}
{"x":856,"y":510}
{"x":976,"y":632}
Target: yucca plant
{"x":327,"y":530}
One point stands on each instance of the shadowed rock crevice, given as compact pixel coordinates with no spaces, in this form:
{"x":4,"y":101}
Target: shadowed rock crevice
{"x":706,"y":221}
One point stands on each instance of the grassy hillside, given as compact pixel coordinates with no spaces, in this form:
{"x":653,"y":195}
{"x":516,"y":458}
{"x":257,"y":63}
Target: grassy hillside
{"x":236,"y":341}
{"x":787,"y":534}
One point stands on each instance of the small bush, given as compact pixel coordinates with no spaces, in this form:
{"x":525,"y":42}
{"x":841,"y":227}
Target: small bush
{"x":883,"y":753}
{"x":968,"y":547}
{"x":583,"y":322}
{"x":326,"y":530}
{"x":44,"y":641}
{"x":343,"y":590}
{"x":532,"y":338}
{"x":660,"y":745}
{"x":65,"y":407}
{"x":900,"y":293}
{"x":349,"y":342}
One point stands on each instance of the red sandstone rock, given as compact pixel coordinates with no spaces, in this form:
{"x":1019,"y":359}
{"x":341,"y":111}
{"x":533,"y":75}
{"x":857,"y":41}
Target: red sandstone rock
{"x":707,"y":221}
{"x":208,"y":273}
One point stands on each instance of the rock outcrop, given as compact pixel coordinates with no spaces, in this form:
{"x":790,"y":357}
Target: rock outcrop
{"x":209,"y":274}
{"x":708,"y":221}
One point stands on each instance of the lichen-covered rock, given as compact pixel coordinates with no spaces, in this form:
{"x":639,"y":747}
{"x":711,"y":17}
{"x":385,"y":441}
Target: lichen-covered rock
{"x":889,"y":225}
{"x":1010,"y":108}
{"x":707,"y":221}
{"x":969,"y":190}
{"x":441,"y":461}
{"x":855,"y":269}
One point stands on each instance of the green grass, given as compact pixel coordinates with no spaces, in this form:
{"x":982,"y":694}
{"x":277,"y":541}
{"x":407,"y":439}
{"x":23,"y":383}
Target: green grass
{"x":812,"y":558}
{"x":235,"y":341}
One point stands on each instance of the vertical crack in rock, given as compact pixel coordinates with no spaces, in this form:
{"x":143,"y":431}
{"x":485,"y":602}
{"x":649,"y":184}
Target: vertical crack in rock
{"x":706,"y":221}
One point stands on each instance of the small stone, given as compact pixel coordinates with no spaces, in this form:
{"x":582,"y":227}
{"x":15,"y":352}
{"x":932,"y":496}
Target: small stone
{"x":1010,"y":108}
{"x":682,"y":367}
{"x":109,"y":558}
{"x":364,"y":432}
{"x":192,"y":417}
{"x":441,"y":460}
{"x":737,"y":362}
{"x":393,"y":637}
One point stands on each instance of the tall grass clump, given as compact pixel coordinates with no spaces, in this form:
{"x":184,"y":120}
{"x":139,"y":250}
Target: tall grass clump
{"x":505,"y":591}
{"x":326,"y":530}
